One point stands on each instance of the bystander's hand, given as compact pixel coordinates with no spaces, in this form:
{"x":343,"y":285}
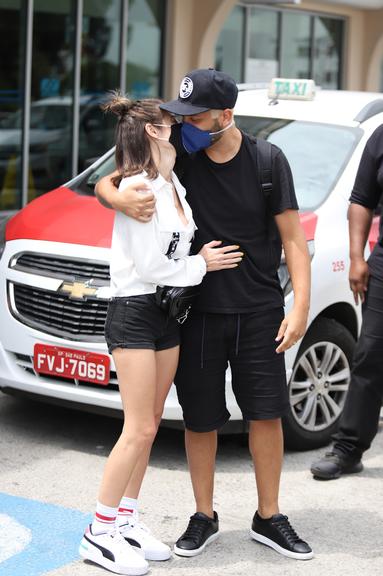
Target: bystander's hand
{"x":220,"y":258}
{"x":292,"y":329}
{"x":358,"y":277}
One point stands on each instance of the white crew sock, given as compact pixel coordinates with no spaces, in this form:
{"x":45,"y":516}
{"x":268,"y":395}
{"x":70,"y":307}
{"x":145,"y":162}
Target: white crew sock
{"x":104,"y":519}
{"x":127,"y":510}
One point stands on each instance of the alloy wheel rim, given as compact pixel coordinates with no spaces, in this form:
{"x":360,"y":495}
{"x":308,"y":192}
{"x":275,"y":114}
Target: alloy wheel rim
{"x":318,"y":386}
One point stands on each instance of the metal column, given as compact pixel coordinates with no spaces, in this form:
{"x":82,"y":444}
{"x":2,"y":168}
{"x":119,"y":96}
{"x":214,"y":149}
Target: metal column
{"x":79,"y":8}
{"x":123,"y":43}
{"x":26,"y":101}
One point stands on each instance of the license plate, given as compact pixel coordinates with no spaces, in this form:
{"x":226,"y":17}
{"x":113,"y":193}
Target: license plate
{"x":69,"y":363}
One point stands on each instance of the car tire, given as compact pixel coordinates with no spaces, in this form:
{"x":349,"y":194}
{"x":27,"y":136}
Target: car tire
{"x":318,"y":385}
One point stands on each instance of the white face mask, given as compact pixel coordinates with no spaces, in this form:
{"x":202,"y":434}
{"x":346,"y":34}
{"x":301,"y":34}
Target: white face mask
{"x":223,"y":129}
{"x":163,"y":126}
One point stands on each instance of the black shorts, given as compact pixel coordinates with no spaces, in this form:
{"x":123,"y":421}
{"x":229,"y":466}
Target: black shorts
{"x":137,"y":322}
{"x":247,"y":341}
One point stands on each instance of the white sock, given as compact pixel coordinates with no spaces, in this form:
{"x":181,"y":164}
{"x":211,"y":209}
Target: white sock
{"x":127,"y":510}
{"x":104,"y":519}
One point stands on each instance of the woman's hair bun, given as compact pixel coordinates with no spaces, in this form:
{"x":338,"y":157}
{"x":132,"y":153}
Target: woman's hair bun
{"x":118,"y":104}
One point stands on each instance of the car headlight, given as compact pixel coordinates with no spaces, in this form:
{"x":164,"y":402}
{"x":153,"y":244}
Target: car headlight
{"x":3,"y":225}
{"x":283,"y":273}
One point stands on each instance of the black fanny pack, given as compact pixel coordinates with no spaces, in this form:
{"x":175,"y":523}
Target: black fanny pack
{"x":176,"y":301}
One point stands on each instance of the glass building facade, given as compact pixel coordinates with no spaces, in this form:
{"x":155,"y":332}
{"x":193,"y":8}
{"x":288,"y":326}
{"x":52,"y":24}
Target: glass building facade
{"x":58,"y":59}
{"x":259,"y":43}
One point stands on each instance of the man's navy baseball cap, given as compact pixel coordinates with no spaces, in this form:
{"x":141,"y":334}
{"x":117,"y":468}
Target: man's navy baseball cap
{"x":201,"y":90}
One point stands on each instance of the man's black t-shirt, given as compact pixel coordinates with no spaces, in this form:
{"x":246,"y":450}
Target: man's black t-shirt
{"x":368,"y":189}
{"x":228,"y":204}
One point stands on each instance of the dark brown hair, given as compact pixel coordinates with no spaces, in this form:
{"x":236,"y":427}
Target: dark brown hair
{"x":133,"y":152}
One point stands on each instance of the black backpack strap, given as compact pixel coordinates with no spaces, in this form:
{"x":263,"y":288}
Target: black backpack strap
{"x":265,"y":166}
{"x":262,"y":154}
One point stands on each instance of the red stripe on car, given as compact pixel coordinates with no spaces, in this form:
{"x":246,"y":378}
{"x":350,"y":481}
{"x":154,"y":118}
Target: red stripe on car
{"x":63,"y":216}
{"x":309,"y":223}
{"x":66,"y":216}
{"x":374,"y":233}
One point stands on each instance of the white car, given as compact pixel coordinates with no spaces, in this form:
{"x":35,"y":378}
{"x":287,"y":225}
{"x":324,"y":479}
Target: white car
{"x":54,"y":271}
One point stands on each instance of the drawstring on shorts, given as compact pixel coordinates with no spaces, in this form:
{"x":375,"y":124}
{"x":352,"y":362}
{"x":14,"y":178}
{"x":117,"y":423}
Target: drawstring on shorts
{"x":203,"y":337}
{"x":238,"y":332}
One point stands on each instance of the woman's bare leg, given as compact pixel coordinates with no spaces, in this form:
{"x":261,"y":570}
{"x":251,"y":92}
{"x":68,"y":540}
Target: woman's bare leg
{"x":166,"y":365}
{"x":137,"y":376}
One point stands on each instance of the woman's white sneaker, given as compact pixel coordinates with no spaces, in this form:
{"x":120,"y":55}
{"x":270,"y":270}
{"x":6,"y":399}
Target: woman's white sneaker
{"x":113,"y":552}
{"x":139,"y":536}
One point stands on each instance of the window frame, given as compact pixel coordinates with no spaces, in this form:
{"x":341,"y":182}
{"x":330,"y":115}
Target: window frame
{"x":248,"y":5}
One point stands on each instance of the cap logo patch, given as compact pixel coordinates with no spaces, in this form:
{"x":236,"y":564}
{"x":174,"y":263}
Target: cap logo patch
{"x":186,"y":87}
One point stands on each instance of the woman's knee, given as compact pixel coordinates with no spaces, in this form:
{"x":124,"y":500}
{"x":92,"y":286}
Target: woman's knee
{"x":141,"y":435}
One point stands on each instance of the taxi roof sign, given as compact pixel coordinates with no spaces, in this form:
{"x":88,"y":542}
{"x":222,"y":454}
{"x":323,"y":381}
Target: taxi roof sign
{"x":291,"y":89}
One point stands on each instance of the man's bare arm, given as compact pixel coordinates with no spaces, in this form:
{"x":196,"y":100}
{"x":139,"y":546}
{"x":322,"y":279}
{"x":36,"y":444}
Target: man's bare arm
{"x":105,"y":190}
{"x":359,"y":224}
{"x":298,"y":263}
{"x":136,"y":200}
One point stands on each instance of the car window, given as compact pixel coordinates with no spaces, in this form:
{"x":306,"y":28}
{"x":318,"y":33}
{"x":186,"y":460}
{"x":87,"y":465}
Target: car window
{"x":43,"y":117}
{"x":102,"y":170}
{"x":85,"y":182}
{"x":317,"y":153}
{"x":12,"y":121}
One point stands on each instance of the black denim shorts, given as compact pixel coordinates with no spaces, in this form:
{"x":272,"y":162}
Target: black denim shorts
{"x":209,"y":343}
{"x":138,"y":322}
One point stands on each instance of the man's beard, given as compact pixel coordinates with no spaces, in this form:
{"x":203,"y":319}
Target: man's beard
{"x":216,"y":128}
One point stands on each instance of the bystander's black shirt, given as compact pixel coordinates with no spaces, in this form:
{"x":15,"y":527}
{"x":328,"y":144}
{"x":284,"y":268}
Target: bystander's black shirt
{"x":228,"y":204}
{"x":368,"y":189}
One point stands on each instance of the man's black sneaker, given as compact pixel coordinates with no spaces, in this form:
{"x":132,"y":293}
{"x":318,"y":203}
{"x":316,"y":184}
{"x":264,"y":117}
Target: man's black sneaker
{"x":278,"y":533}
{"x":332,"y":465}
{"x":200,"y":532}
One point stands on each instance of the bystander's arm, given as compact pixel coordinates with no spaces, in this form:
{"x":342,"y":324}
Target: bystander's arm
{"x":298,"y":263}
{"x":359,"y":223}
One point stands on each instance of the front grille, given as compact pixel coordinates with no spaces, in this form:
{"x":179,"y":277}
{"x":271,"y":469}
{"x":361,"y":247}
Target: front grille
{"x":26,"y":363}
{"x":56,"y":314}
{"x":61,"y":267}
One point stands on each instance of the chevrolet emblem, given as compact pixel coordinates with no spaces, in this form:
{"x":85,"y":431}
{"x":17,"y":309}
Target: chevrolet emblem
{"x":77,"y":290}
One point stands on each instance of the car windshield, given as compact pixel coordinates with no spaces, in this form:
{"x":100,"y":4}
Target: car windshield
{"x":107,"y":167}
{"x":317,"y":153}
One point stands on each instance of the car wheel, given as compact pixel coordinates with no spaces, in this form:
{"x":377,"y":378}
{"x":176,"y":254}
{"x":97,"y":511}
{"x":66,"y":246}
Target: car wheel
{"x":318,"y":385}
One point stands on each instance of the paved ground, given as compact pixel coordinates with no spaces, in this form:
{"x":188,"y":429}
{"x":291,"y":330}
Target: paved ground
{"x":51,"y":460}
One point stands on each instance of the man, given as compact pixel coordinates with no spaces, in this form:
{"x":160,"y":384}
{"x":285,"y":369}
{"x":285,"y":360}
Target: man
{"x":360,"y":417}
{"x":238,"y":317}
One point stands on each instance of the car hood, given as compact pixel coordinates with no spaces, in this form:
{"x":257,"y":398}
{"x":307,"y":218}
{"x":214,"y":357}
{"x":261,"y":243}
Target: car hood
{"x":63,"y":216}
{"x":66,"y":216}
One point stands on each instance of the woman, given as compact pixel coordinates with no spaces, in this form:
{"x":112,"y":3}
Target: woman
{"x":143,"y":341}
